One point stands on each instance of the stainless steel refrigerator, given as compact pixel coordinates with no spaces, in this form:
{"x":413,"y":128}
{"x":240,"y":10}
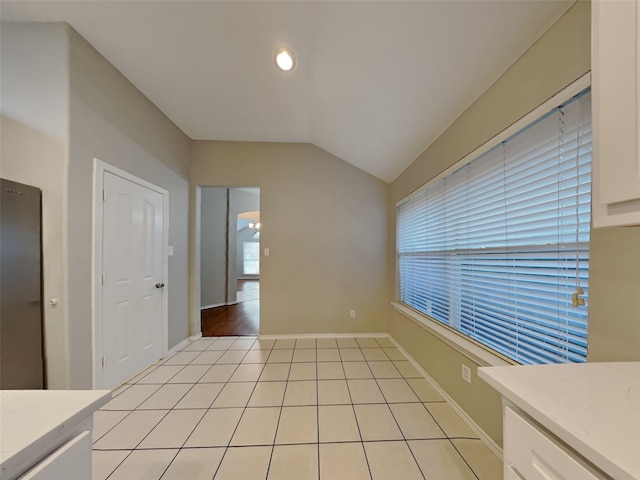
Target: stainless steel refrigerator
{"x":21,"y":342}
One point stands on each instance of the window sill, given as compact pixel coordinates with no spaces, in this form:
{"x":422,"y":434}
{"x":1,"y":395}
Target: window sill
{"x":470,"y":349}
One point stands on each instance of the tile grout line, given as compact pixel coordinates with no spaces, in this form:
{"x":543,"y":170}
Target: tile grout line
{"x":172,"y":409}
{"x":404,"y":438}
{"x":275,"y":435}
{"x":315,"y":341}
{"x":239,"y":419}
{"x":288,"y":444}
{"x":464,"y":459}
{"x":130,"y":412}
{"x":117,"y":466}
{"x":366,"y":361}
{"x":214,"y":399}
{"x":402,"y":432}
{"x":114,"y":426}
{"x":434,"y":419}
{"x":393,"y":415}
{"x":353,"y":408}
{"x":318,"y":411}
{"x":188,"y":436}
{"x":197,"y":423}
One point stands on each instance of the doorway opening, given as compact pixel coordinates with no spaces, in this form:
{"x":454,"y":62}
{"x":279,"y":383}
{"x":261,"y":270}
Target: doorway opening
{"x":229,"y":261}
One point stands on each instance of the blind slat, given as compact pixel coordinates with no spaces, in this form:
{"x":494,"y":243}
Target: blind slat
{"x":497,"y":249}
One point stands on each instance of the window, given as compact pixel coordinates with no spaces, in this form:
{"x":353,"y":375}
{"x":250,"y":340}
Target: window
{"x":251,"y":258}
{"x":499,"y":249}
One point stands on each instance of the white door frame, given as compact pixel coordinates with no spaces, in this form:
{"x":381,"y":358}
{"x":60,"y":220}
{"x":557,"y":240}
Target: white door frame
{"x":99,"y":169}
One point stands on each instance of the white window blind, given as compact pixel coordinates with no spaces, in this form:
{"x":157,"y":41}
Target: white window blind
{"x":499,"y":250}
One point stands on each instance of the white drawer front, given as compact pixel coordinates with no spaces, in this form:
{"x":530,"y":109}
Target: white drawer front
{"x":532,"y":455}
{"x":71,"y":460}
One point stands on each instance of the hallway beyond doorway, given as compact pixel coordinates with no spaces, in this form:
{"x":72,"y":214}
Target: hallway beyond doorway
{"x":242,"y":318}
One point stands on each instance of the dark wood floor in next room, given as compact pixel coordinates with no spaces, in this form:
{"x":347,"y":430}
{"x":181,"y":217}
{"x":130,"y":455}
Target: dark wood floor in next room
{"x":242,"y":318}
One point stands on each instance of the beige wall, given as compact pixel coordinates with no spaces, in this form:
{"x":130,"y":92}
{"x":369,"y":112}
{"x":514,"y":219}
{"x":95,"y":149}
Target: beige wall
{"x":319,"y":270}
{"x":62,"y":105}
{"x":111,"y":120}
{"x":213,"y":241}
{"x":33,"y":150}
{"x":614,"y":286}
{"x":559,"y":57}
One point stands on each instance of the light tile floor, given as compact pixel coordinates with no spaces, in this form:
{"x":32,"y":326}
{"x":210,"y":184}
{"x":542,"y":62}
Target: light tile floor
{"x":239,"y":408}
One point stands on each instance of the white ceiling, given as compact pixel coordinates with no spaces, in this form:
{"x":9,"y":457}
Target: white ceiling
{"x":376,"y":81}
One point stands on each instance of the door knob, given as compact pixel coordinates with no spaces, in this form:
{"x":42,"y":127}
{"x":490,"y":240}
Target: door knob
{"x":159,"y":285}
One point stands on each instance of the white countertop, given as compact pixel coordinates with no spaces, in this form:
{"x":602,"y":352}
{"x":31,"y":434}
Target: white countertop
{"x":593,"y":407}
{"x":32,"y":419}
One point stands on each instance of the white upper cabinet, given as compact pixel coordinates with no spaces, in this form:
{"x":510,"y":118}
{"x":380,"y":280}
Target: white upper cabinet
{"x":615,"y":66}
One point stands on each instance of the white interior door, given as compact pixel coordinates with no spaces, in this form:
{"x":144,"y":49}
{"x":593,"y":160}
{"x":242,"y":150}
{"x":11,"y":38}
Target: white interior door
{"x":132,"y":282}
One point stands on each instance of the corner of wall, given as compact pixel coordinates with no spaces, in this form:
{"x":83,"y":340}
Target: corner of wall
{"x":35,"y":151}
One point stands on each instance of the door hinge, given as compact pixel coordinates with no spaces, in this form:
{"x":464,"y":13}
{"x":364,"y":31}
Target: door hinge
{"x":104,"y":279}
{"x":104,"y":362}
{"x":104,"y":195}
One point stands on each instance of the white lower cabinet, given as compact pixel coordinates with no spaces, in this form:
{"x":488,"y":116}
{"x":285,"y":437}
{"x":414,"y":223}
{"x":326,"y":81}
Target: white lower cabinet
{"x":532,"y":454}
{"x":46,"y":434}
{"x":574,"y":421}
{"x":71,"y":460}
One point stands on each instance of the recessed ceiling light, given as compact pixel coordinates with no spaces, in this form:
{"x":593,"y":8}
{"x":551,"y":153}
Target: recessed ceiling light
{"x":284,"y":59}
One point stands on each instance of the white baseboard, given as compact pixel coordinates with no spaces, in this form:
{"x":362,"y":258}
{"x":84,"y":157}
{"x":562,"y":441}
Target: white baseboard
{"x":205,"y":307}
{"x":216,"y":305}
{"x":178,"y":346}
{"x":323,"y":335}
{"x":488,"y":441}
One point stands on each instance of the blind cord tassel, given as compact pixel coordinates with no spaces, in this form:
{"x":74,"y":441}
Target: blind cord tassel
{"x":576,"y":299}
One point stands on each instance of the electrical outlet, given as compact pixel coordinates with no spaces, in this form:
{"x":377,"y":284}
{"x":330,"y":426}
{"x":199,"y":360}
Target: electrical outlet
{"x":352,"y":314}
{"x":466,"y":373}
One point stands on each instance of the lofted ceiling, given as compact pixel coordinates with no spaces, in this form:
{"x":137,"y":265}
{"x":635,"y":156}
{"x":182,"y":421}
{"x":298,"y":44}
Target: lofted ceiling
{"x":375,"y":83}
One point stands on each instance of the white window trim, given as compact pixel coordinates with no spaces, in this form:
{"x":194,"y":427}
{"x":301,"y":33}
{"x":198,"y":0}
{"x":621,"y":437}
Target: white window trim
{"x":468,"y":347}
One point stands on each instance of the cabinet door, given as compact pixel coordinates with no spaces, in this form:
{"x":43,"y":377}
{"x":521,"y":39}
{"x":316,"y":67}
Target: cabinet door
{"x":536,"y":456}
{"x":72,"y":460}
{"x":616,"y":111}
